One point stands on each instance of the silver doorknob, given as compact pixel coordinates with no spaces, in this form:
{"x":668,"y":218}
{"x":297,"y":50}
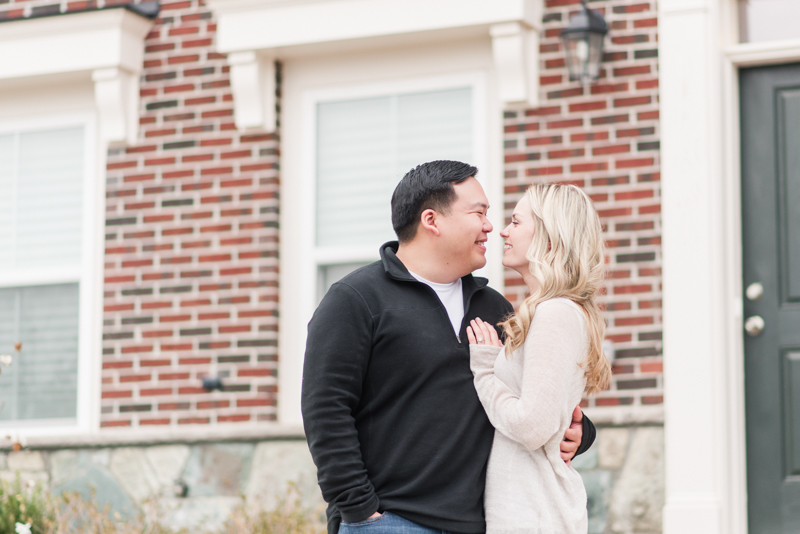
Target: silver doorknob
{"x":754,"y":325}
{"x":754,"y":291}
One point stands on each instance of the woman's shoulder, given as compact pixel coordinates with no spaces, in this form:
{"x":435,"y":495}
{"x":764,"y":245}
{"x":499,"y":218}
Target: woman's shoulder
{"x":559,"y":305}
{"x":560,"y":309}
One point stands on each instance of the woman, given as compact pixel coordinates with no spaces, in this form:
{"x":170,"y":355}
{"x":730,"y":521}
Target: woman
{"x":553,"y":353}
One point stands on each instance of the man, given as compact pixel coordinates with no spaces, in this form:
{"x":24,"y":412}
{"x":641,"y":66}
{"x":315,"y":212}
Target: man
{"x":393,"y":422}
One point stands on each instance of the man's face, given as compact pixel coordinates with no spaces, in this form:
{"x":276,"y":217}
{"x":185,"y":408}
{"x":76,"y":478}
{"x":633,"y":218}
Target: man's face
{"x":465,"y":228}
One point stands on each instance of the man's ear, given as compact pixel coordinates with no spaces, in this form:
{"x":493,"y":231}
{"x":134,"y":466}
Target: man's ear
{"x":427,"y":221}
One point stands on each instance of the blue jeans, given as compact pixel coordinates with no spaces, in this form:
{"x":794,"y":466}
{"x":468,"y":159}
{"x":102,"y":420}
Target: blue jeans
{"x":388,"y":523}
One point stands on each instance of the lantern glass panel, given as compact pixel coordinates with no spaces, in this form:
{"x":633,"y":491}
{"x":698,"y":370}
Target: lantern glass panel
{"x":584,"y":52}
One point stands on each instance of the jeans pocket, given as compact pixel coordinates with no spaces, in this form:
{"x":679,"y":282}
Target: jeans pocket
{"x":366,"y":522}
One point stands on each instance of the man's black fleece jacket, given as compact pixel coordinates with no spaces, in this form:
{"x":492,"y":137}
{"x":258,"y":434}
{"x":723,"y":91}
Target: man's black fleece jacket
{"x":390,"y":412}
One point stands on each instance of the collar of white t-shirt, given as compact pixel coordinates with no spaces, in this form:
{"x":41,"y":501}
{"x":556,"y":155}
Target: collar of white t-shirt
{"x":451,"y":297}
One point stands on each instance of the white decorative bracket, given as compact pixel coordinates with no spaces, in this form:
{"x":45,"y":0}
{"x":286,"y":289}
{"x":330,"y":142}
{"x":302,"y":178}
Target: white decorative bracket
{"x":253,"y":85}
{"x":108,"y":43}
{"x":515,"y":48}
{"x":116,"y":93}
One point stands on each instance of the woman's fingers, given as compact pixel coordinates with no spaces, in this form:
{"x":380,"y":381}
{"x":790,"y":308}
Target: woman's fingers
{"x":489,"y":333}
{"x":484,"y":331}
{"x":477,"y":329}
{"x":481,"y":332}
{"x":470,"y":335}
{"x":494,"y":337}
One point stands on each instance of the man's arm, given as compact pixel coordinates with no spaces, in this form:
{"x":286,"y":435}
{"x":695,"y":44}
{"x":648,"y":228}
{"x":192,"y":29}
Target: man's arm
{"x":579,"y":436}
{"x":337,"y":353}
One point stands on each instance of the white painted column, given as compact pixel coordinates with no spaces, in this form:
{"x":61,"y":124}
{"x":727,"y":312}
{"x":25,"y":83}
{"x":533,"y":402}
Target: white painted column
{"x":700,"y":467}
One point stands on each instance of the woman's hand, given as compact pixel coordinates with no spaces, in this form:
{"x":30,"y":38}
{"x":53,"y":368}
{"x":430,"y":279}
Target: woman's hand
{"x":482,"y":333}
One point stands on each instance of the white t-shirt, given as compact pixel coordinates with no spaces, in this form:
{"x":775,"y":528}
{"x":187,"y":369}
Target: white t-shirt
{"x":451,"y":297}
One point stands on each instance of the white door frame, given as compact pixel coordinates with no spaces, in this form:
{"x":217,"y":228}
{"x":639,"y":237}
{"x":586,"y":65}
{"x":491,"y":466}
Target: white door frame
{"x":706,"y":485}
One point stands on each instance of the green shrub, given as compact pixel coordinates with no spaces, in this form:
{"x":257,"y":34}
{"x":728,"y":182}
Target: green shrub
{"x":24,"y":503}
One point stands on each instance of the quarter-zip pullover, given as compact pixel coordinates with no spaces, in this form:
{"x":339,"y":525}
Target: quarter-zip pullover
{"x":390,"y":412}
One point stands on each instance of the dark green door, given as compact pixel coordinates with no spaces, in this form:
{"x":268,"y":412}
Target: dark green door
{"x":770,"y":105}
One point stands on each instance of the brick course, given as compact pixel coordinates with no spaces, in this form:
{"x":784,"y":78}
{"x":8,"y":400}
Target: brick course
{"x":605,"y":139}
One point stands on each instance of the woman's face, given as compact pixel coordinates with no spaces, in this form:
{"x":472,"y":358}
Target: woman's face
{"x":518,"y":236}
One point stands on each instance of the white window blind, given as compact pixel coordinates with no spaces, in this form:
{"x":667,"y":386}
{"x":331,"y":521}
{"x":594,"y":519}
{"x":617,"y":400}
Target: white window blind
{"x":41,"y":178}
{"x":41,"y":192}
{"x":364,"y":147}
{"x":42,"y":381}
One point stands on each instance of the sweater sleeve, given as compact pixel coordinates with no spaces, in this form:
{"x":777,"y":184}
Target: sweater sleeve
{"x":588,"y":436}
{"x":552,"y":352}
{"x":337,"y":353}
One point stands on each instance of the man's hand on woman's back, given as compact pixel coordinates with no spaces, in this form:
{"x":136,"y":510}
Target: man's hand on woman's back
{"x":573,"y":436}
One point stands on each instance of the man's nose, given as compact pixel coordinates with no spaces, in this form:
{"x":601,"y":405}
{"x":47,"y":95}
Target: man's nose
{"x":487,"y":226}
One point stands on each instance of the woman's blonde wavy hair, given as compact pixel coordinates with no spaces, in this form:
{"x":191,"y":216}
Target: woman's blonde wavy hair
{"x":567,"y":258}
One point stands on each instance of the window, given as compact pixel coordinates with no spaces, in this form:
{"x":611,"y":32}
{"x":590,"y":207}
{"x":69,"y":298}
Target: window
{"x":42,"y":213}
{"x":364,"y":147}
{"x":768,"y":20}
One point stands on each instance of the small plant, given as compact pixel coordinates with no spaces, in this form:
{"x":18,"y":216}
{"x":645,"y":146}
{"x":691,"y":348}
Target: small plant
{"x":24,"y":508}
{"x":8,"y":359}
{"x":73,"y":513}
{"x":289,"y":516}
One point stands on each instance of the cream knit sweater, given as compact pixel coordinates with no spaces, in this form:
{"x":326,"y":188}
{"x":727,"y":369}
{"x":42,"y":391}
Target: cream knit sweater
{"x":529,"y":399}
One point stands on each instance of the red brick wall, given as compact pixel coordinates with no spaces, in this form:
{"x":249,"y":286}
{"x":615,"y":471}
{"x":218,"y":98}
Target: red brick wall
{"x":605,"y":139}
{"x":191,"y":265}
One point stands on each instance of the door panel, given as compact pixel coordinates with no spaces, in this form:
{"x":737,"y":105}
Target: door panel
{"x":791,"y":398}
{"x":789,"y":191}
{"x":770,"y":113}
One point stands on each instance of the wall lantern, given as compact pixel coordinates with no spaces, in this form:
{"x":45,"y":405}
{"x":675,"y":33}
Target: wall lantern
{"x":583,"y":42}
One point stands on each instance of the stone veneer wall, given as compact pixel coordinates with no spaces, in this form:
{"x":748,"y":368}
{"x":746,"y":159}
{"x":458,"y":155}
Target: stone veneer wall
{"x":217,"y":475}
{"x":623,"y":473}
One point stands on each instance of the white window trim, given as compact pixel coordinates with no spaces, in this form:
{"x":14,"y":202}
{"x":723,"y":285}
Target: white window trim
{"x":89,"y":276}
{"x":314,"y":256}
{"x":299,"y":281}
{"x":507,"y":28}
{"x":327,"y":255}
{"x":703,"y":301}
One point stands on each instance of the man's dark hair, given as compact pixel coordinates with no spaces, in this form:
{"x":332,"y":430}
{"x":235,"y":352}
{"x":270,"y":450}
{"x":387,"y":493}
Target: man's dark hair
{"x":428,"y":186}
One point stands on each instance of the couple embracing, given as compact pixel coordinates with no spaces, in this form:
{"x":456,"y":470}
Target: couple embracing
{"x":428,"y":404}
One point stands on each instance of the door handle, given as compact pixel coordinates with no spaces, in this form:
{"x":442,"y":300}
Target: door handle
{"x":754,"y":291}
{"x":754,"y":325}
